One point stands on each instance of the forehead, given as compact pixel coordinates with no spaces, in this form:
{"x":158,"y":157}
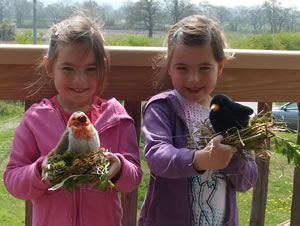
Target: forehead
{"x":75,"y":54}
{"x":192,"y":54}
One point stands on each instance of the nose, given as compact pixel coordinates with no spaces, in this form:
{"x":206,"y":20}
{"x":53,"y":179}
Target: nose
{"x":194,"y":76}
{"x":79,"y":77}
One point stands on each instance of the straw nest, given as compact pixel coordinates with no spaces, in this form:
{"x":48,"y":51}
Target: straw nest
{"x":71,"y":170}
{"x":252,"y":140}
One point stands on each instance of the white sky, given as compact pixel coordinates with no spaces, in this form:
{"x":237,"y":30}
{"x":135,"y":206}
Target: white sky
{"x":284,"y":3}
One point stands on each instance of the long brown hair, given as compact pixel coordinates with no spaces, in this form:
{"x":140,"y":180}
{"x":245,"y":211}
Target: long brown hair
{"x":195,"y":30}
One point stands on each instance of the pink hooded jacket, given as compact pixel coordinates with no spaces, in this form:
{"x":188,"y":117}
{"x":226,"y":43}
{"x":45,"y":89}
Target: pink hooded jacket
{"x":37,"y":134}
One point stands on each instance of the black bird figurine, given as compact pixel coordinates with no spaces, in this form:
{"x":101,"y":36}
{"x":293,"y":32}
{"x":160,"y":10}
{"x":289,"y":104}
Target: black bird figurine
{"x":226,"y":114}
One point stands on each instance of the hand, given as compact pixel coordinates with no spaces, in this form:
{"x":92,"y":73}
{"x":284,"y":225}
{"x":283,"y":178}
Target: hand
{"x":114,"y":171}
{"x":45,"y":166}
{"x":215,"y":155}
{"x":60,"y":148}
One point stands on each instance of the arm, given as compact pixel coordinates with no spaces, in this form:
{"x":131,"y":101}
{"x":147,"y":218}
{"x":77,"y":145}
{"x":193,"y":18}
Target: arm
{"x":22,"y":176}
{"x":164,"y":159}
{"x":241,"y":173}
{"x":131,"y":173}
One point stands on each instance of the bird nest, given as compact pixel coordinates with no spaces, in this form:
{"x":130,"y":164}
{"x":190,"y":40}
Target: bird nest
{"x":252,"y":140}
{"x":72,"y":170}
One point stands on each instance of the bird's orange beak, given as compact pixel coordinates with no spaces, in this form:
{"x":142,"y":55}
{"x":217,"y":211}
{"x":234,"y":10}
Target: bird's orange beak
{"x":214,"y":107}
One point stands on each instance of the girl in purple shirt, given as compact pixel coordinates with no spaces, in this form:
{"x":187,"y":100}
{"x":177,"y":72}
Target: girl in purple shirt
{"x":190,"y":187}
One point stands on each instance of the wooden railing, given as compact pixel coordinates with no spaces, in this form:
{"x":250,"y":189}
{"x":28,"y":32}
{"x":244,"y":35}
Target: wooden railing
{"x":253,"y":76}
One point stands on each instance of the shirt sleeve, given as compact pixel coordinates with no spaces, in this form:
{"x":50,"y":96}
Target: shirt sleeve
{"x":22,"y":176}
{"x":164,"y":159}
{"x":241,"y":173}
{"x":128,"y":153}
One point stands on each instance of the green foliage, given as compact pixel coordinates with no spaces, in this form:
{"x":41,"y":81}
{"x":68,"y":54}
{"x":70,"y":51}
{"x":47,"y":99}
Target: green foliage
{"x":288,"y":148}
{"x":268,"y":41}
{"x":7,"y":31}
{"x":133,"y":40}
{"x":11,"y":108}
{"x":26,"y":37}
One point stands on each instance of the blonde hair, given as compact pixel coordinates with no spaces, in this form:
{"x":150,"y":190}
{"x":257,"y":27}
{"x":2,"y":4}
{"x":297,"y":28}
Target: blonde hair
{"x":195,"y":30}
{"x":76,"y":30}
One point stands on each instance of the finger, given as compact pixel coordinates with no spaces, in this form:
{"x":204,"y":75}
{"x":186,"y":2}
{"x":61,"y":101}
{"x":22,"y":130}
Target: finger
{"x":218,"y":138}
{"x":235,"y":149}
{"x":109,"y":155}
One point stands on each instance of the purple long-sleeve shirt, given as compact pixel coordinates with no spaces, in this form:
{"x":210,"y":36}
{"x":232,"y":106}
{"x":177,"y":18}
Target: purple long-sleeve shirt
{"x":167,"y":201}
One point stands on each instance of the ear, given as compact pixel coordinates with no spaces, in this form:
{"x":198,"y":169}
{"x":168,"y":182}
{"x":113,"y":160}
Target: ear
{"x":46,"y":65}
{"x":221,"y":66}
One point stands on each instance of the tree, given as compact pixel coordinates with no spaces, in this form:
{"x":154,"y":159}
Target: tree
{"x":292,"y":20}
{"x":256,"y":18}
{"x":58,"y":11}
{"x":276,"y":14}
{"x":7,"y":31}
{"x":178,"y":9}
{"x":144,"y":11}
{"x":3,"y":9}
{"x":237,"y":18}
{"x":108,"y":14}
{"x":22,"y":9}
{"x":220,"y":13}
{"x":95,"y":11}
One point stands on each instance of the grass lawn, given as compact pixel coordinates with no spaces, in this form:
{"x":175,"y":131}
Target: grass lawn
{"x":12,"y":210}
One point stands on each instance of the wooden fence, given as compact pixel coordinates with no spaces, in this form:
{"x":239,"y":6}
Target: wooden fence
{"x":253,"y":76}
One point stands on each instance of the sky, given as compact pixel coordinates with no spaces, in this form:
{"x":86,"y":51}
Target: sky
{"x":230,"y":3}
{"x":285,"y":3}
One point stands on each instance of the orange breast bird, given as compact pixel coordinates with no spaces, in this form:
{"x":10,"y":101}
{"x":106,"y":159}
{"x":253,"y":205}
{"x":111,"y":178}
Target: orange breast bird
{"x":83,"y":137}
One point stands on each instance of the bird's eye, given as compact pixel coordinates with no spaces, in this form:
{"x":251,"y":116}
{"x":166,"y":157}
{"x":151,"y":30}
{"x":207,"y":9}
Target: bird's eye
{"x":214,"y":107}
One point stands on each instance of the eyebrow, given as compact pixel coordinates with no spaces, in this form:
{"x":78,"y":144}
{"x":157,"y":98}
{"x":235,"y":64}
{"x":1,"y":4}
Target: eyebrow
{"x":202,"y":64}
{"x":70,"y":64}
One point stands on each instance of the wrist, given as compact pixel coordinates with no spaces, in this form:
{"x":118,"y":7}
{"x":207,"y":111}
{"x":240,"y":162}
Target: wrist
{"x":201,"y":160}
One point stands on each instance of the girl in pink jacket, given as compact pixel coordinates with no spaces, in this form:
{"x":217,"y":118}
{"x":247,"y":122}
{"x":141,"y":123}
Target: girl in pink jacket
{"x":76,"y":64}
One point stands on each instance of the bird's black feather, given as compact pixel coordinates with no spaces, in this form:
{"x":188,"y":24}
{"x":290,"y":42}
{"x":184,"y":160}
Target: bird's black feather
{"x":229,"y":114}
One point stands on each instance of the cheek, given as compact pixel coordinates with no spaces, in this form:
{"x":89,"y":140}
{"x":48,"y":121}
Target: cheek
{"x":177,"y":80}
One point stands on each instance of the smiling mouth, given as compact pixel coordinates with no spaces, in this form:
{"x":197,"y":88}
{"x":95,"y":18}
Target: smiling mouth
{"x":194,"y":90}
{"x":79,"y":90}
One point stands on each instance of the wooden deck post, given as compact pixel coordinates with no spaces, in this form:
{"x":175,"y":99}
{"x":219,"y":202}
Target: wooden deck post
{"x":260,"y":190}
{"x":28,"y":203}
{"x":295,"y":216}
{"x":129,"y":200}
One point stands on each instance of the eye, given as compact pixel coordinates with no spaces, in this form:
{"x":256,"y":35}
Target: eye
{"x":181,"y":68}
{"x":91,"y":69}
{"x":204,"y":68}
{"x":67,"y":69}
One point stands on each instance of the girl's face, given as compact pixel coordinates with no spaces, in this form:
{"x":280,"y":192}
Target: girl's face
{"x":75,"y":77}
{"x":194,"y":72}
